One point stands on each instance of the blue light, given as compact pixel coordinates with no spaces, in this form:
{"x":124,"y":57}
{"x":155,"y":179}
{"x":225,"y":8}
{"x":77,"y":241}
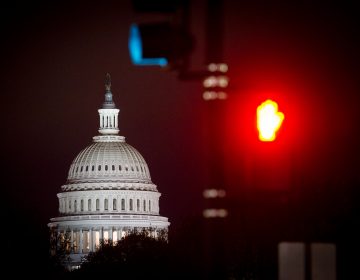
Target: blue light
{"x":135,"y":49}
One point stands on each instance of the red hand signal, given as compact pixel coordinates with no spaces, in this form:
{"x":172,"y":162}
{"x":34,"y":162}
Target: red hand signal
{"x":269,"y":120}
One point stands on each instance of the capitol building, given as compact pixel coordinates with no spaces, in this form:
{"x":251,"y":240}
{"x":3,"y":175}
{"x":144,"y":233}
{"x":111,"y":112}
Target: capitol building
{"x":108,"y":192}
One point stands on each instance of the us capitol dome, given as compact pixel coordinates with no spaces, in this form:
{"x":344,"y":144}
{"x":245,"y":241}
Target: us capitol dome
{"x":108,"y":192}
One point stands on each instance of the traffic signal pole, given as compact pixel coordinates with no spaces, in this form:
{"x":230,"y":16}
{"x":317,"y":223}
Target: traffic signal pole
{"x":215,"y":97}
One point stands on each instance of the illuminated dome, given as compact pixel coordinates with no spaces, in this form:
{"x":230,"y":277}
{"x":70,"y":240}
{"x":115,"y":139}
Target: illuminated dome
{"x":112,"y":162}
{"x":109,"y":161}
{"x":108,"y":192}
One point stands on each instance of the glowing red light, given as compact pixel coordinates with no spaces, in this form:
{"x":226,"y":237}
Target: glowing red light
{"x":269,"y":120}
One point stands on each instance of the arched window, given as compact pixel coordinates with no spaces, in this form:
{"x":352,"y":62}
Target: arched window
{"x":141,"y":169}
{"x":138,"y":205}
{"x":97,"y":205}
{"x":93,"y":168}
{"x":137,"y":168}
{"x":126,"y":168}
{"x":106,"y":167}
{"x":144,"y":205}
{"x":75,"y":206}
{"x":87,"y":168}
{"x":81,"y":168}
{"x":69,"y":204}
{"x":99,"y":167}
{"x":149,"y":206}
{"x":132,"y":168}
{"x":106,"y":204}
{"x":114,"y":204}
{"x":82,"y":205}
{"x":122,"y":204}
{"x":89,"y":205}
{"x":113,"y":167}
{"x":131,"y":205}
{"x":120,"y":167}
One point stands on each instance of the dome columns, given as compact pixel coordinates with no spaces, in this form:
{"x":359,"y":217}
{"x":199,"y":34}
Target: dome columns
{"x":108,"y":121}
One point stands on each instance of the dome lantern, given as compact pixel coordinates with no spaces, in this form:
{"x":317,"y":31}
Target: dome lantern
{"x":108,"y":113}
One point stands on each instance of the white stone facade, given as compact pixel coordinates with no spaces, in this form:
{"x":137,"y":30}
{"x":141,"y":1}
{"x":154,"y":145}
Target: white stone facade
{"x":108,"y":192}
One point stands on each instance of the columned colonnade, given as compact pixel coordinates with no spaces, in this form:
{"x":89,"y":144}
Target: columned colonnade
{"x":87,"y":239}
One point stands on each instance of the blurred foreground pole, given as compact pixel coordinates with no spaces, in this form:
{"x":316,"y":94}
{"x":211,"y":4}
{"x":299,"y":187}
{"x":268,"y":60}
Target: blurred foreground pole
{"x":215,"y":97}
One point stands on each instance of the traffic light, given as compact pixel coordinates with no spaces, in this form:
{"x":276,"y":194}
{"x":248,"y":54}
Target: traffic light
{"x":269,"y":120}
{"x":163,"y":41}
{"x":159,"y":43}
{"x":146,"y":46}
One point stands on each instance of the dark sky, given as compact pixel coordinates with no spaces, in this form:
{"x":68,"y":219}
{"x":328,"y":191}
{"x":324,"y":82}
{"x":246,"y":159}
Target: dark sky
{"x":54,"y":57}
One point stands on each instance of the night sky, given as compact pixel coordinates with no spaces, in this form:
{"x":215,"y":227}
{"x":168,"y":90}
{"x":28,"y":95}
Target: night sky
{"x":54,"y":57}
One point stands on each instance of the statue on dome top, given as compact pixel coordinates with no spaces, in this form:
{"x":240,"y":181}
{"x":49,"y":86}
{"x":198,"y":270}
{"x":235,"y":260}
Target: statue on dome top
{"x":107,"y":82}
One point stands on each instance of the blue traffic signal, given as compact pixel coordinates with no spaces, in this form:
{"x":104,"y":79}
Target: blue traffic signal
{"x":136,"y":50}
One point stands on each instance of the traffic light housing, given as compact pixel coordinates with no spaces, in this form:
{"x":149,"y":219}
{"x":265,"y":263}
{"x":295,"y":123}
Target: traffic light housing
{"x":161,"y":44}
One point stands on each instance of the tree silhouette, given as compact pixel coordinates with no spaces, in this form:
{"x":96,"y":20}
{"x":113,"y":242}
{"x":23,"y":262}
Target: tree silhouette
{"x":138,"y":255}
